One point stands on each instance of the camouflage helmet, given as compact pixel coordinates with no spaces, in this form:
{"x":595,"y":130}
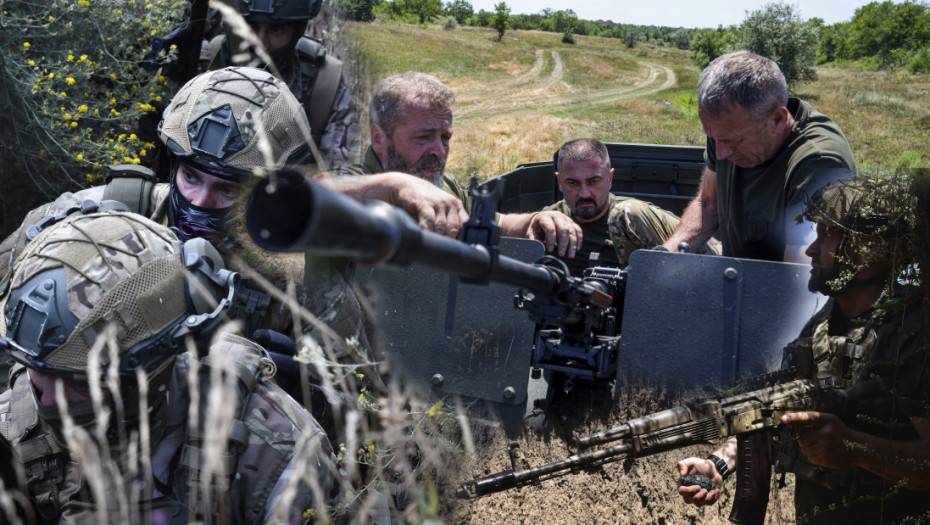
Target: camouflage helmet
{"x":236,"y":122}
{"x":96,"y":278}
{"x":854,"y":204}
{"x":279,"y":11}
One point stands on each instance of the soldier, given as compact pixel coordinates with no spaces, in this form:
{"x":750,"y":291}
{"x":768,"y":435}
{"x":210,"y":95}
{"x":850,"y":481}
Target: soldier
{"x":314,"y":76}
{"x":411,"y":127}
{"x":766,"y":153}
{"x":222,"y":129}
{"x":613,"y":226}
{"x":114,"y":420}
{"x":870,"y":462}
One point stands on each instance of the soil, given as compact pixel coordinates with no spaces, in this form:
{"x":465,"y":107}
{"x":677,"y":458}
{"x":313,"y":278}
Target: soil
{"x":631,"y":490}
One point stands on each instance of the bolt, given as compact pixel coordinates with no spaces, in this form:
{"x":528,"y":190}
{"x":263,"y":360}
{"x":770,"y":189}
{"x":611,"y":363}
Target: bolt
{"x":438,"y":380}
{"x":192,"y":319}
{"x":510,"y":393}
{"x":730,"y":274}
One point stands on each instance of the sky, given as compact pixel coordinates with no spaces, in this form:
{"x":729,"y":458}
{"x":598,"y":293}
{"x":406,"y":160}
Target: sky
{"x":676,"y":13}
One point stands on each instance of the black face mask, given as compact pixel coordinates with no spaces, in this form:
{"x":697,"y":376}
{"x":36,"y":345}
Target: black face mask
{"x":189,"y":221}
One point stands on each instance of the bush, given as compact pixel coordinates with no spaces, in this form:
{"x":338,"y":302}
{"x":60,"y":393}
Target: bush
{"x":449,"y":23}
{"x":568,"y":37}
{"x":920,"y":63}
{"x":75,"y":89}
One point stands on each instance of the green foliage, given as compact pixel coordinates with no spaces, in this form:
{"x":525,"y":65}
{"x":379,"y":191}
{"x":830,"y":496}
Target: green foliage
{"x":921,"y":62}
{"x":567,"y":37}
{"x":461,"y":10}
{"x":73,"y":87}
{"x":880,"y":35}
{"x":501,"y":14}
{"x":358,"y":10}
{"x":709,"y":44}
{"x":449,"y":23}
{"x":776,"y":31}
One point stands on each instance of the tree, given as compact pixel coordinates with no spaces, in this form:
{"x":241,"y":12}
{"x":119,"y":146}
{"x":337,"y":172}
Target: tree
{"x":776,"y":31}
{"x":709,"y":44}
{"x":358,"y":10}
{"x":423,"y":9}
{"x":501,"y":14}
{"x":461,"y":10}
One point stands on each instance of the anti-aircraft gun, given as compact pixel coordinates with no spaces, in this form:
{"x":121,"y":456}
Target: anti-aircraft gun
{"x":579,"y":315}
{"x":683,"y":315}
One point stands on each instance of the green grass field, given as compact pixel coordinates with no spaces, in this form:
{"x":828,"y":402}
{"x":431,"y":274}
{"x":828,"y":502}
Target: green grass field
{"x":509,"y":112}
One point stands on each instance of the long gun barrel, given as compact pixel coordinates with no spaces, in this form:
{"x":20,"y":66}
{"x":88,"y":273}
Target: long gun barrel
{"x":291,"y":213}
{"x":699,"y":422}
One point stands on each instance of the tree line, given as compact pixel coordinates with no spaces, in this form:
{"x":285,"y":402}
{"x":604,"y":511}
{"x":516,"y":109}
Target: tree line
{"x":879,"y":35}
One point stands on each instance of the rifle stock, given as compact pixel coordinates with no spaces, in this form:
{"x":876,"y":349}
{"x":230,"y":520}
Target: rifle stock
{"x":702,"y":421}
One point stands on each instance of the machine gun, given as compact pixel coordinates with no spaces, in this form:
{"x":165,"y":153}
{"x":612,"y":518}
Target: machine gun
{"x":702,"y":421}
{"x":578,"y":317}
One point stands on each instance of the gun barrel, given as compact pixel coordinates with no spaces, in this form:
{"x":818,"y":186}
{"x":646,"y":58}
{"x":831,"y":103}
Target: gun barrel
{"x":292,"y":213}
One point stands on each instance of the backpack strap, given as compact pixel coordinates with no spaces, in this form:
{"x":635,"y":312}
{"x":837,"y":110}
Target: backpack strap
{"x":132,"y":185}
{"x":325,"y":72}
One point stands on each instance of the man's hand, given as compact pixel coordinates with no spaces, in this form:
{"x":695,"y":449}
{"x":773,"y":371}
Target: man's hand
{"x":823,"y":438}
{"x":557,"y":231}
{"x":433,"y":209}
{"x":694,"y":494}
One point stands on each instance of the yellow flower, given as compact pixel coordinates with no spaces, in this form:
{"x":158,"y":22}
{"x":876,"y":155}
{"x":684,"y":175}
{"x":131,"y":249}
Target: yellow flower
{"x":113,"y":76}
{"x":136,"y":160}
{"x":309,"y":513}
{"x":70,"y":57}
{"x":142,"y":152}
{"x":371,"y":448}
{"x":83,"y":58}
{"x":133,"y":136}
{"x":51,"y":18}
{"x":31,"y":62}
{"x":51,"y":75}
{"x":158,"y":98}
{"x":64,"y":94}
{"x":436,"y":408}
{"x":74,"y":124}
{"x":161,"y":79}
{"x":127,"y":160}
{"x":67,"y":116}
{"x":26,"y":45}
{"x":70,"y":81}
{"x":79,"y":156}
{"x":82,"y":108}
{"x":121,"y":137}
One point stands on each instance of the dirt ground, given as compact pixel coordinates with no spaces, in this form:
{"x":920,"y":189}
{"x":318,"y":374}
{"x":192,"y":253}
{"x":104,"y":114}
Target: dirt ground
{"x":634,"y":491}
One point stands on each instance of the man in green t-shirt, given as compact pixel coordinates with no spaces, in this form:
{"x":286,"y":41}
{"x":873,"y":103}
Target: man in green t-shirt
{"x":411,"y":129}
{"x":613,"y":226}
{"x":765,"y":155}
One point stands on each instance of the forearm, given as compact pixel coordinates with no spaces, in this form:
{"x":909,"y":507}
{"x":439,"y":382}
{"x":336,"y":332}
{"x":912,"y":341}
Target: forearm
{"x":894,"y":460}
{"x":699,"y":220}
{"x":515,"y":224}
{"x":381,"y":187}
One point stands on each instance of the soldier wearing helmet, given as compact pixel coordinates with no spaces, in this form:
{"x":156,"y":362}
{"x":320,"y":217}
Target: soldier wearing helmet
{"x":100,"y":314}
{"x":223,"y":129}
{"x":314,"y":76}
{"x":868,"y":341}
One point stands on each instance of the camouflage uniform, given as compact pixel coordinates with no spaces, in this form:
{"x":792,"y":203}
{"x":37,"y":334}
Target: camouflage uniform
{"x":630,"y":224}
{"x":339,"y":140}
{"x":880,"y":358}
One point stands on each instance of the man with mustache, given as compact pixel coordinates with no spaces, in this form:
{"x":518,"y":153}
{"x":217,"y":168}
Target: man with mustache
{"x":411,"y":129}
{"x":613,"y":226}
{"x":869,"y":462}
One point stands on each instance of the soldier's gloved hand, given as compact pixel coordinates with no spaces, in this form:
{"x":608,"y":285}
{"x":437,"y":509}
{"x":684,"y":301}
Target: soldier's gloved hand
{"x":557,"y":231}
{"x":694,"y":494}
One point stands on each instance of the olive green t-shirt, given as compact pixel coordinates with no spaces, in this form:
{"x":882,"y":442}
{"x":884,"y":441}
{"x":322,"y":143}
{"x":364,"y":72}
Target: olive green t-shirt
{"x":596,"y":239}
{"x":757,"y":207}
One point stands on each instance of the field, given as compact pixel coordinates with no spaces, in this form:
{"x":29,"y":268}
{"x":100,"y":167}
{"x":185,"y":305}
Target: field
{"x":517,"y":101}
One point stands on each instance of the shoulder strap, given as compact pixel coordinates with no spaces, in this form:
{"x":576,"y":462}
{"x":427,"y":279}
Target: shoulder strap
{"x":325,"y":84}
{"x":132,"y":185}
{"x":208,"y":56}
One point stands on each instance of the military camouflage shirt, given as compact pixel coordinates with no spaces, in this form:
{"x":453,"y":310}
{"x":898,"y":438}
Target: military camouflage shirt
{"x":880,"y":358}
{"x":757,"y":206}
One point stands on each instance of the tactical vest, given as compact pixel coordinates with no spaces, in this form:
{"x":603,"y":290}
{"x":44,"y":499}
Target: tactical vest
{"x":315,"y":84}
{"x":53,"y":480}
{"x":838,"y":361}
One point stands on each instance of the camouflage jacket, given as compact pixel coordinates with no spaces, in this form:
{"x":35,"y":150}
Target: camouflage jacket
{"x":879,"y":359}
{"x":274,"y":462}
{"x":340,"y":137}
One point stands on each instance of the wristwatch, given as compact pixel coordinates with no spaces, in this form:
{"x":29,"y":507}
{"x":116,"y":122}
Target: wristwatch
{"x":720,"y":465}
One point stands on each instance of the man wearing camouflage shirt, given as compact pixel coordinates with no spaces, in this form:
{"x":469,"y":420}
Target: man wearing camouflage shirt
{"x":115,"y":420}
{"x":614,"y":226}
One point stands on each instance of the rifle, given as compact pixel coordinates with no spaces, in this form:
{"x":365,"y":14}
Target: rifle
{"x":291,"y":213}
{"x":703,"y":421}
{"x":187,"y":39}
